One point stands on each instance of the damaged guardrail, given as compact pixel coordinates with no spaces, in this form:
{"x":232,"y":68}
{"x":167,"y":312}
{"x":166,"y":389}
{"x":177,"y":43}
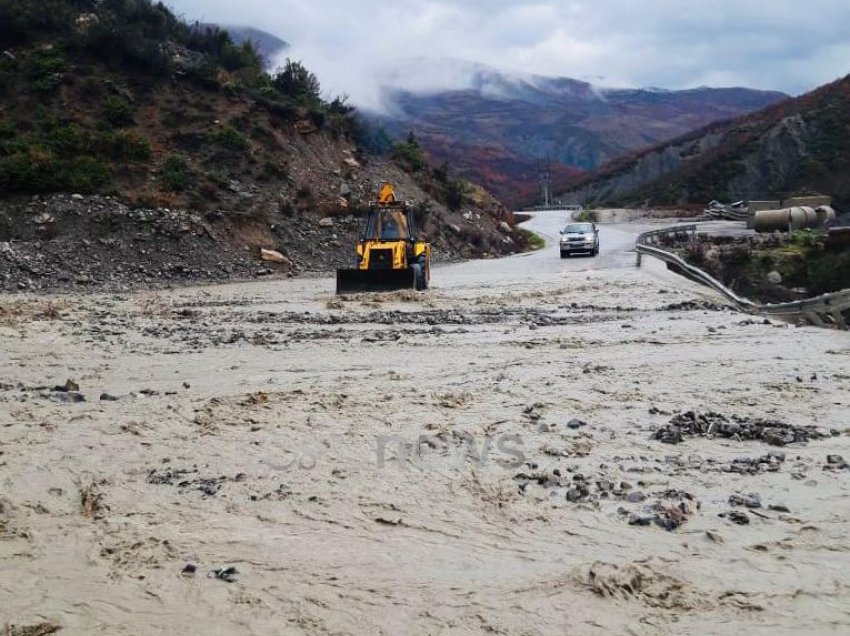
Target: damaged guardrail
{"x":824,"y":311}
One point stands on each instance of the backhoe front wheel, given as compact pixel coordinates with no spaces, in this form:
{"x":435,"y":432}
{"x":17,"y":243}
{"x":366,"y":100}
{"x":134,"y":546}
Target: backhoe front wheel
{"x":421,"y":280}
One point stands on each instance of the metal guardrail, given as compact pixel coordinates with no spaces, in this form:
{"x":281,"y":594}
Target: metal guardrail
{"x":823,"y":311}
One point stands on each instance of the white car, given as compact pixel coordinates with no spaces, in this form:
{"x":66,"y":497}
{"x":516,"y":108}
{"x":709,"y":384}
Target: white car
{"x":579,"y":238}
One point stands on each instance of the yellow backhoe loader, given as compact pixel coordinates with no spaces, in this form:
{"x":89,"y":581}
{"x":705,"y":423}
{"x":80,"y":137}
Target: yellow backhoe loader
{"x":390,"y":254}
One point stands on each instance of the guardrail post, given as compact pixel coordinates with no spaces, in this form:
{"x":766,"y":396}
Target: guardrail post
{"x":639,"y":255}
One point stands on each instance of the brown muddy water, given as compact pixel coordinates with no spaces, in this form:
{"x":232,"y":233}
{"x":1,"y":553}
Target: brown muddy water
{"x":477,"y":459}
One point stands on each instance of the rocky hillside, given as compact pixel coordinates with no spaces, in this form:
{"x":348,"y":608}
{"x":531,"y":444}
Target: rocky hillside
{"x":495,"y":126}
{"x":798,"y":145}
{"x":174,"y":127}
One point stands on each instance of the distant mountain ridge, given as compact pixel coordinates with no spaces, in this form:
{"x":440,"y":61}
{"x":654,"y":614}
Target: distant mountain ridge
{"x":800,"y":144}
{"x":494,"y":126}
{"x":269,"y":46}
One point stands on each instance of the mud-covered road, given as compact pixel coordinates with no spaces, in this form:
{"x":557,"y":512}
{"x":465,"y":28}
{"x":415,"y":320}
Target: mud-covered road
{"x":535,"y":446}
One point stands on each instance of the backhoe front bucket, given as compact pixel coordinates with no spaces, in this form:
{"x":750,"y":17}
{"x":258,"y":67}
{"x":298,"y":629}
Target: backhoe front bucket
{"x":353,"y":281}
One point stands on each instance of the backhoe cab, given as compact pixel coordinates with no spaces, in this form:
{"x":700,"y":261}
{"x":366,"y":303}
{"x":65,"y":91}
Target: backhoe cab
{"x":390,"y":254}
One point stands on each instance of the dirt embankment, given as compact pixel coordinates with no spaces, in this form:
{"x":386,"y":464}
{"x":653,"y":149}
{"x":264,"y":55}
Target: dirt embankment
{"x":774,"y":268}
{"x":100,"y":243}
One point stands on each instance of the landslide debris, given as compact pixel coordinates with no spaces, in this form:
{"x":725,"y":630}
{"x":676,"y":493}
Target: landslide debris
{"x":737,"y":427}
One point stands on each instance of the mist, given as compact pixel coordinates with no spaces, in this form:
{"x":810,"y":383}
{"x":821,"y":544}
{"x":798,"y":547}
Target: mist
{"x":356,"y":47}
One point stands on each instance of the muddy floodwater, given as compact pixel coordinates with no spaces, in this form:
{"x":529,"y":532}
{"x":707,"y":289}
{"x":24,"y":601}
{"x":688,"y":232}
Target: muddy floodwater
{"x":534,"y":446}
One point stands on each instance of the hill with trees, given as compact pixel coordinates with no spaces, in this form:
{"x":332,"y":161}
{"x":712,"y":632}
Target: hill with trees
{"x":796,"y":146}
{"x":122,"y":99}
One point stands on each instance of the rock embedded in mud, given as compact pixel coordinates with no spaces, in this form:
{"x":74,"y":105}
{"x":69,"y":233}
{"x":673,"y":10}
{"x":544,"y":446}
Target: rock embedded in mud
{"x":69,"y":387}
{"x":575,"y":424}
{"x":228,"y":574}
{"x":739,"y":518}
{"x":72,"y":398}
{"x":779,"y":508}
{"x":836,"y":462}
{"x":751,"y":500}
{"x":771,"y":462}
{"x":641,"y":520}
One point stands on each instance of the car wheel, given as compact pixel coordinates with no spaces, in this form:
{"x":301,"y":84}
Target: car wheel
{"x":564,"y":254}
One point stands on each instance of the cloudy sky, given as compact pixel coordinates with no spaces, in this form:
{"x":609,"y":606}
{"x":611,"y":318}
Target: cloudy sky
{"x":787,"y":45}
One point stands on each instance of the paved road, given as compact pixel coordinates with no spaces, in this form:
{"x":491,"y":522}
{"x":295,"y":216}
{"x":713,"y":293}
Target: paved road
{"x":617,"y":245}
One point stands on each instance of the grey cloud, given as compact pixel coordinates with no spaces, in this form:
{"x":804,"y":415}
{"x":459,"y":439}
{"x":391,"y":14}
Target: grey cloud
{"x":774,"y":44}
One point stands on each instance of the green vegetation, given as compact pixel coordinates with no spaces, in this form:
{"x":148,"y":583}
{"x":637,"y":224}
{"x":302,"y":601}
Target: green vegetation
{"x":144,"y":86}
{"x":176,"y":174}
{"x":118,"y":111}
{"x":297,"y":83}
{"x":803,"y":259}
{"x":587,"y":216}
{"x":37,"y":169}
{"x":62,"y":157}
{"x":536,"y":241}
{"x":44,"y":69}
{"x":409,"y":155}
{"x":373,"y":139}
{"x":806,"y":240}
{"x":230,"y":138}
{"x":124,"y":146}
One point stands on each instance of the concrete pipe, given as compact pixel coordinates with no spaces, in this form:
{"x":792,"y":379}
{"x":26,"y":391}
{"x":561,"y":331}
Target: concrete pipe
{"x":771,"y":220}
{"x":803,"y":217}
{"x":826,"y":215}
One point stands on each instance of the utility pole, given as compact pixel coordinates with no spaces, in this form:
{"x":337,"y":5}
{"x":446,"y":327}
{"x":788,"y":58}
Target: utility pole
{"x":544,"y":175}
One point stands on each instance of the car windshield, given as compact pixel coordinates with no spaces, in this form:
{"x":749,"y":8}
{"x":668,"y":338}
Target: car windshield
{"x":578,"y":228}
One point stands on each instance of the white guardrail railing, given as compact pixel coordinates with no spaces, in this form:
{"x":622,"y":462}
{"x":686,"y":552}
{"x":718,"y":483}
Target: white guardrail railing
{"x":829,"y":310}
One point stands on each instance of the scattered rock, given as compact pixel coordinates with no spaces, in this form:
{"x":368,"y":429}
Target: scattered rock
{"x":228,"y":574}
{"x":692,"y":424}
{"x":273,"y":256}
{"x":326,"y":222}
{"x":576,"y":424}
{"x":774,"y":277}
{"x":751,"y":500}
{"x":771,"y":462}
{"x":740,"y":518}
{"x":189,"y":569}
{"x":69,"y":387}
{"x":40,"y":629}
{"x":836,"y":462}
